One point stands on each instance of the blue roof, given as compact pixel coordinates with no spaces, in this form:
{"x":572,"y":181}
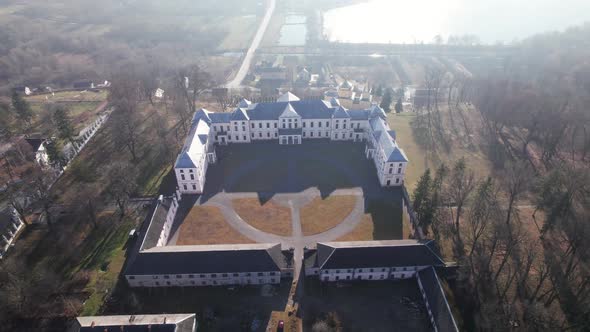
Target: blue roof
{"x":341,"y":113}
{"x":358,"y":114}
{"x":239,"y":114}
{"x":220,"y":117}
{"x":307,"y":109}
{"x":397,"y":155}
{"x":392,"y":134}
{"x":184,"y":161}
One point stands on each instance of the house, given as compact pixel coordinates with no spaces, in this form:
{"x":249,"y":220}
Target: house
{"x":371,"y":260}
{"x":346,"y":90}
{"x":84,"y":84}
{"x":157,"y":264}
{"x":386,"y":260}
{"x":10,"y":224}
{"x":159,"y":93}
{"x":287,"y":121}
{"x":136,"y":323}
{"x":39,"y":146}
{"x":209,"y":265}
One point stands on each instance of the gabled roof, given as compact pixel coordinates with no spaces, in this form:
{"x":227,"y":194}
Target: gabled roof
{"x":239,"y":114}
{"x":220,"y":117}
{"x":346,"y":85}
{"x":184,"y":161}
{"x":289,"y":112}
{"x":35,"y":142}
{"x":334,"y":102}
{"x":341,"y":113}
{"x":331,"y":93}
{"x":287,"y":97}
{"x":367,"y":254}
{"x":244,"y":103}
{"x":397,"y":155}
{"x":359,"y":114}
{"x":263,"y":257}
{"x":201,"y":114}
{"x":377,"y":111}
{"x":392,"y":134}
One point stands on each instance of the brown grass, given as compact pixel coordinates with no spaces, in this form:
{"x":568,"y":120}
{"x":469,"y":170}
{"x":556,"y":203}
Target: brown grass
{"x":206,"y":225}
{"x":364,"y":231}
{"x":270,"y":217}
{"x":323,"y":214}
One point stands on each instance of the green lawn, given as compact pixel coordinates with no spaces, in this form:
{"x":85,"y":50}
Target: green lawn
{"x":104,"y":256}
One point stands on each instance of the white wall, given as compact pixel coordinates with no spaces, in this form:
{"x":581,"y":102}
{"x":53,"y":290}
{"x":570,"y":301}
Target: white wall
{"x":206,"y":279}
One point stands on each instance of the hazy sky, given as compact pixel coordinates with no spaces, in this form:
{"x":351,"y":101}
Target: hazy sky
{"x":421,"y":20}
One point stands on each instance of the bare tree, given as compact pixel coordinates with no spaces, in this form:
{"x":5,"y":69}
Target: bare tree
{"x":122,"y":179}
{"x":461,"y":184}
{"x":125,"y":121}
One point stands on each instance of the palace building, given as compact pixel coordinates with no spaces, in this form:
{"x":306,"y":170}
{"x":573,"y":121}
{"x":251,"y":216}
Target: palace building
{"x":288,"y":121}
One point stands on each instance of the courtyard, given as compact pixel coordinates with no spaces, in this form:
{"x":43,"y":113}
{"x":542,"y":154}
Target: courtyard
{"x":366,"y":306}
{"x":296,"y":195}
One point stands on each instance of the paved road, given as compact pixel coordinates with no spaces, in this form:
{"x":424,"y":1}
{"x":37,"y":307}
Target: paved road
{"x":235,"y":83}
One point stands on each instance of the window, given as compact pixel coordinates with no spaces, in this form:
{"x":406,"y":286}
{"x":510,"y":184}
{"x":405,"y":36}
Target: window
{"x":252,"y":125}
{"x":390,"y":170}
{"x":303,"y":124}
{"x":303,"y":134}
{"x":190,"y":171}
{"x":155,"y":277}
{"x":184,"y":186}
{"x":260,"y":274}
{"x":267,"y":125}
{"x":311,"y":124}
{"x":191,"y":276}
{"x":327,"y":123}
{"x":194,"y":187}
{"x":311,"y":134}
{"x":399,"y":170}
{"x":236,"y":128}
{"x":235,"y":274}
{"x":337,"y":271}
{"x":181,"y":171}
{"x":202,"y":275}
{"x":344,"y":125}
{"x":327,"y":134}
{"x":243,"y":128}
{"x":166,"y":277}
{"x":397,"y":180}
{"x":290,"y":120}
{"x":252,"y":135}
{"x":192,"y":176}
{"x":245,"y":138}
{"x":336,"y":136}
{"x":267,"y":134}
{"x":382,"y":270}
{"x":336,"y":125}
{"x":248,"y":274}
{"x":215,"y":128}
{"x":182,"y":176}
{"x":358,"y":125}
{"x":320,"y":124}
{"x":243,"y":123}
{"x":272,"y":273}
{"x":371,"y":270}
{"x":203,"y":282}
{"x":224,"y":275}
{"x":259,"y":134}
{"x":157,"y":283}
{"x":350,"y":135}
{"x":131,"y":277}
{"x":178,"y":276}
{"x":192,"y":282}
{"x":370,"y":277}
{"x":237,"y":138}
{"x":337,"y":278}
{"x":213,"y":275}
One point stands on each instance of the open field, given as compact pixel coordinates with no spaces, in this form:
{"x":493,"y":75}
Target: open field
{"x":206,"y":225}
{"x":421,"y":159}
{"x":268,"y":217}
{"x":322,"y":214}
{"x":66,"y":96}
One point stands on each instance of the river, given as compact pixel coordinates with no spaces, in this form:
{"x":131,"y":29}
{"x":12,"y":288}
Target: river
{"x":415,"y":21}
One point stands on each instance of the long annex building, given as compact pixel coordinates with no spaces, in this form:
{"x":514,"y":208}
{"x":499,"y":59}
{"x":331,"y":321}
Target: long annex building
{"x":288,"y":121}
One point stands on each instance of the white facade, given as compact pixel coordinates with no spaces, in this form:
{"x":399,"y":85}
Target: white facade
{"x":205,"y":279}
{"x":373,"y":273}
{"x":289,"y":121}
{"x":10,"y":225}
